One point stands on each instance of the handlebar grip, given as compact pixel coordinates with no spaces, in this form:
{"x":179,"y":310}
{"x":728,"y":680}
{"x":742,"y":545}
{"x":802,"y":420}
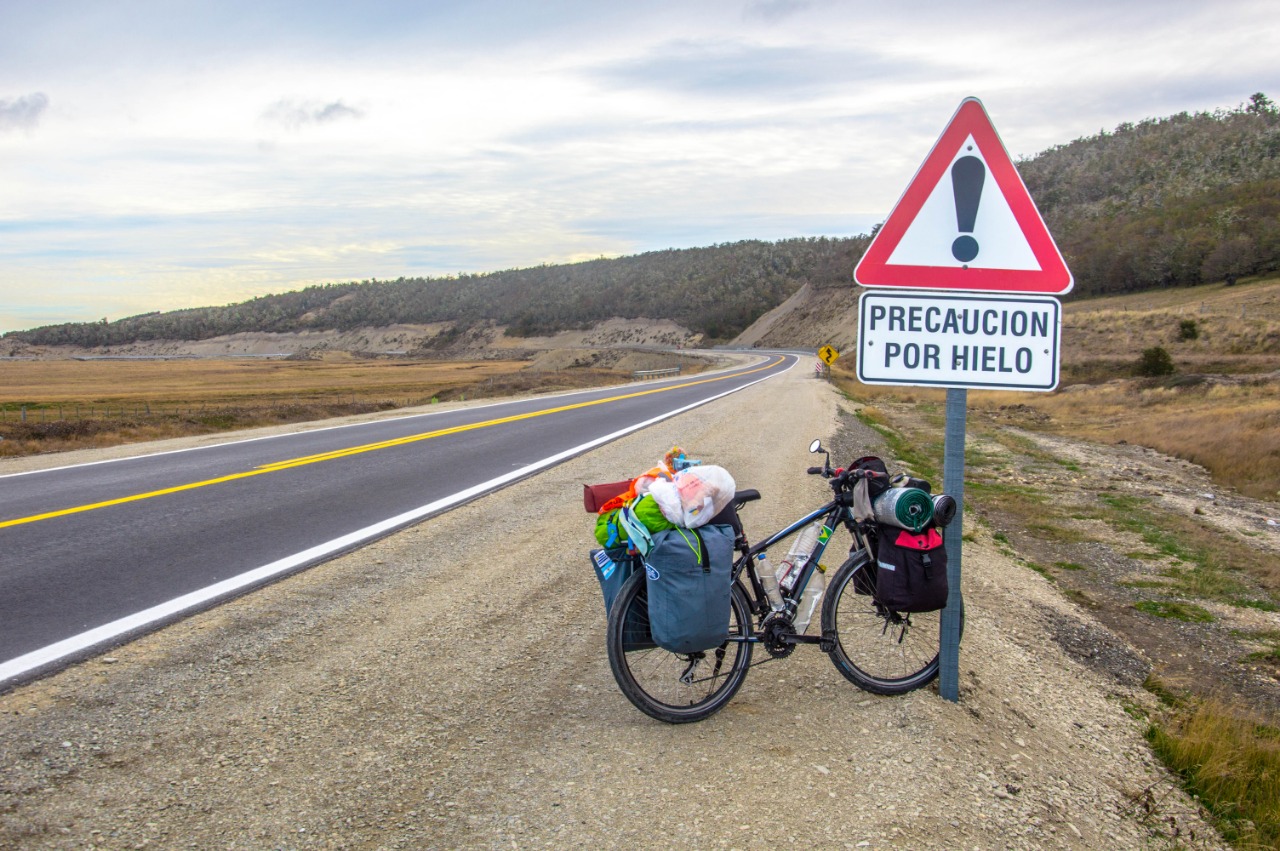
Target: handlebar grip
{"x":814,"y":471}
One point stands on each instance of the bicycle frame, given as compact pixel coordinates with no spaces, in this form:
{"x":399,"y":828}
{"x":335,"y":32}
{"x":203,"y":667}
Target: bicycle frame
{"x":874,"y":647}
{"x":833,"y":514}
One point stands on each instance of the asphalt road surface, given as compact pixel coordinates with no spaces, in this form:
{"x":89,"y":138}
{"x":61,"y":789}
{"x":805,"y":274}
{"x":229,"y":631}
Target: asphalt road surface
{"x":92,"y":555}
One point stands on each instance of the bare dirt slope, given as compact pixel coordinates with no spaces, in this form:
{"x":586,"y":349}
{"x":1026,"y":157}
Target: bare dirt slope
{"x":479,"y":341}
{"x":812,"y":317}
{"x":447,"y":687}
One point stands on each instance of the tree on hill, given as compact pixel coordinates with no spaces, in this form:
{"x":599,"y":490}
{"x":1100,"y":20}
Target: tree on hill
{"x":716,"y":291}
{"x":1165,"y":202}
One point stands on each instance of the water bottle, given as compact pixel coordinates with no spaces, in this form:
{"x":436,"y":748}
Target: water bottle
{"x":811,"y":599}
{"x":769,"y":582}
{"x":794,"y":561}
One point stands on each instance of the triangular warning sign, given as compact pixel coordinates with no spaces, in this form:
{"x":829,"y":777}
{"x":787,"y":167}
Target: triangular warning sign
{"x":966,"y":222}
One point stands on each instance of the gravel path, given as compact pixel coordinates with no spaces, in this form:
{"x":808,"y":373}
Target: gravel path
{"x":447,"y":687}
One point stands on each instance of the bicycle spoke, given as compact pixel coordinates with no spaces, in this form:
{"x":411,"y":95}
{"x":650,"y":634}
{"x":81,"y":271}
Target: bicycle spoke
{"x":880,"y":650}
{"x":675,"y":687}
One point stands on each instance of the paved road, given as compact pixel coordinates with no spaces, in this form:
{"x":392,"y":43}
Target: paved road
{"x":94,"y":554}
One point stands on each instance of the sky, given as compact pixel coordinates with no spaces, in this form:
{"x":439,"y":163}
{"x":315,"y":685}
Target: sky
{"x":163,"y":154}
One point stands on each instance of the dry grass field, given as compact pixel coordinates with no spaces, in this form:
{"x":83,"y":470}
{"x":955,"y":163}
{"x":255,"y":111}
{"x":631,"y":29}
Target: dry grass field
{"x":54,"y":405}
{"x":1232,"y":429}
{"x":1219,"y":408}
{"x":103,"y":383}
{"x":1208,"y":329}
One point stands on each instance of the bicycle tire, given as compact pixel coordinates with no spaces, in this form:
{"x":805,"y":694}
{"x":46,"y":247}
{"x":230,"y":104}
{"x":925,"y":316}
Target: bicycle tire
{"x":878,"y":650}
{"x":650,"y":677}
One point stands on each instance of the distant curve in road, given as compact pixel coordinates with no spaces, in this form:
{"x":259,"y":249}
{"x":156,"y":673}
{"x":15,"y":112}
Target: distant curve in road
{"x":95,"y":554}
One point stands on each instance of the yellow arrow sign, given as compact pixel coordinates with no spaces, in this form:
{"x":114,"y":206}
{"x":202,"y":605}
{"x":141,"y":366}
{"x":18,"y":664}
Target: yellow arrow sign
{"x":828,"y":355}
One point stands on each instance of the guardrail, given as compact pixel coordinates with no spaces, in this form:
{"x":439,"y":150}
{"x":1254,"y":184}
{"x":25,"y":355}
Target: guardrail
{"x":653,"y":373}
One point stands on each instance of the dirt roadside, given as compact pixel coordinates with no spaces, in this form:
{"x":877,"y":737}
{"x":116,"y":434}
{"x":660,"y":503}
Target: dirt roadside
{"x":447,"y":687}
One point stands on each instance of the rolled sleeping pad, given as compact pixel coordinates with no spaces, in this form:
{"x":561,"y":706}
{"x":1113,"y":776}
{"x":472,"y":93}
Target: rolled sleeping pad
{"x":944,"y":509}
{"x":905,"y":508}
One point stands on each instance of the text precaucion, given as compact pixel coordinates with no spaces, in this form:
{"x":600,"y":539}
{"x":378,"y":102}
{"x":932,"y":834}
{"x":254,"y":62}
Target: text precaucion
{"x":959,"y":340}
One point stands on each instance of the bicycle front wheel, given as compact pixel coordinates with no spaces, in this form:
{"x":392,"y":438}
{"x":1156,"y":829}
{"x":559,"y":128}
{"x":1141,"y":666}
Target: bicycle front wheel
{"x":877,"y":649}
{"x":675,"y":687}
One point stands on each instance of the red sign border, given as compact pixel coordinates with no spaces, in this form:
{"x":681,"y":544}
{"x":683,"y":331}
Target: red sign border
{"x":1053,"y":277}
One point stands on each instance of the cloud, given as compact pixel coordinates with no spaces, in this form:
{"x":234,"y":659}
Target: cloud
{"x":295,"y":114}
{"x":732,"y":68}
{"x":773,"y":11}
{"x":22,"y":113}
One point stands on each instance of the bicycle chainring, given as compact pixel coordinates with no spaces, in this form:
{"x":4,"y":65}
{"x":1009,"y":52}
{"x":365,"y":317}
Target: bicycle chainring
{"x":775,"y":626}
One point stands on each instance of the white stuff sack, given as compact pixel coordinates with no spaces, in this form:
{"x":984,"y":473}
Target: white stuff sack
{"x":695,"y":495}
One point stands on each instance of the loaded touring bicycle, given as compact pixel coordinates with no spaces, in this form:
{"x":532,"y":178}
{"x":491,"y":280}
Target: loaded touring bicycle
{"x":876,"y":613}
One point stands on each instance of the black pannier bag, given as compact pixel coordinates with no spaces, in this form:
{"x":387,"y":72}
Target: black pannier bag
{"x":689,"y":575}
{"x":911,"y":569}
{"x":880,"y":483}
{"x":902,"y":480}
{"x":865,"y":491}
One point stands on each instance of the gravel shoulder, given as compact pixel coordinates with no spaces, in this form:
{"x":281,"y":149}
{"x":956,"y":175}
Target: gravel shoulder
{"x":447,"y":687}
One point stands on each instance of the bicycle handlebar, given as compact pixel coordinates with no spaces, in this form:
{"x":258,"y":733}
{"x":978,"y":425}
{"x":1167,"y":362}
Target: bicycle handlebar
{"x":840,"y":479}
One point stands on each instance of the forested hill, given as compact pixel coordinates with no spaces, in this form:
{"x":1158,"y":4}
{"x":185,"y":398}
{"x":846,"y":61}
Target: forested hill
{"x":716,"y":291}
{"x":1165,"y":202}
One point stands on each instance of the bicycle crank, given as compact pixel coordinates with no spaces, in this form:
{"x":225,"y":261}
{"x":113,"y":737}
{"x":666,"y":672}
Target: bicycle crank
{"x":774,"y":634}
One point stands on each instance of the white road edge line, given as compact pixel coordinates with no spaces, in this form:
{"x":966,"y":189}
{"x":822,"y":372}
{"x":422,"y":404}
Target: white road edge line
{"x":76,"y":644}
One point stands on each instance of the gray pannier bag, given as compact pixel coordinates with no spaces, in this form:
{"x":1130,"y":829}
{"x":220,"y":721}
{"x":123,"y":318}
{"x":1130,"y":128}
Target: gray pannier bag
{"x":689,"y":575}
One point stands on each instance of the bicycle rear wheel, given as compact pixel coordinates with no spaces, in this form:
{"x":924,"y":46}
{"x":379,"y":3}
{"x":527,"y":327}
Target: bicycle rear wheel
{"x":675,"y":687}
{"x":877,"y":649}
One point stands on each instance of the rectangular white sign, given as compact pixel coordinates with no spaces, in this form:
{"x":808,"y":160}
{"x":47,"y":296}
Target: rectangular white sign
{"x":937,"y":339}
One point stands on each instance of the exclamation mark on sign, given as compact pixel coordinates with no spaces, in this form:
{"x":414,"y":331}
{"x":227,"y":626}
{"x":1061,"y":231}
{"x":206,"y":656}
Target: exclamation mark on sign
{"x":967,"y":176}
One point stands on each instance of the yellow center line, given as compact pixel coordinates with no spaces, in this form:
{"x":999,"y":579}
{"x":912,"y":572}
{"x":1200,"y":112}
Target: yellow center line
{"x":356,"y":450}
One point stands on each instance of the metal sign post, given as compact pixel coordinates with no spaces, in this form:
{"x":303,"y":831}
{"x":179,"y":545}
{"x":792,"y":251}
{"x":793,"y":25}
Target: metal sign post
{"x":966,"y":223}
{"x":952,"y":538}
{"x":957,"y":341}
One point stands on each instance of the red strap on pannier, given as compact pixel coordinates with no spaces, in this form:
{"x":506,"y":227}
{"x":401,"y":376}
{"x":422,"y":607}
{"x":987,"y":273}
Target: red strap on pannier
{"x":927,"y":540}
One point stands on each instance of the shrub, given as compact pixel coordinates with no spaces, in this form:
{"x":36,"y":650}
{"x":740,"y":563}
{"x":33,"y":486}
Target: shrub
{"x":1189,"y":612}
{"x":1231,"y":763}
{"x":1188,"y":330}
{"x":1155,"y":361}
